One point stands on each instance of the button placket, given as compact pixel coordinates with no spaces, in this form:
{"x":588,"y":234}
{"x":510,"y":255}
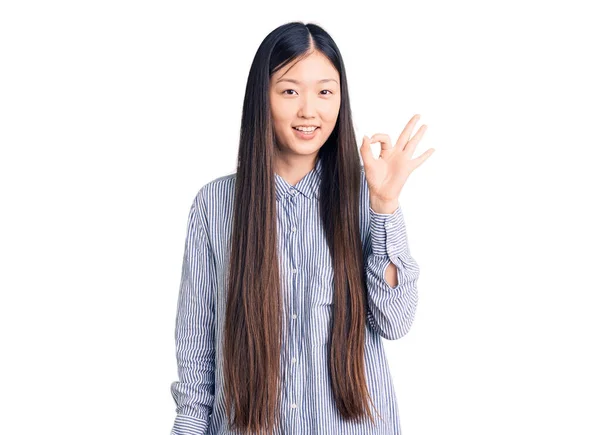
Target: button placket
{"x":295,"y":336}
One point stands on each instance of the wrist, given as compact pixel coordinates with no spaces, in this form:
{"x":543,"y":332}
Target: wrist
{"x":384,"y":207}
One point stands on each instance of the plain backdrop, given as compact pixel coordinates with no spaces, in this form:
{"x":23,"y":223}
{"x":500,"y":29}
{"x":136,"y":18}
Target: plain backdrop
{"x":113,"y":114}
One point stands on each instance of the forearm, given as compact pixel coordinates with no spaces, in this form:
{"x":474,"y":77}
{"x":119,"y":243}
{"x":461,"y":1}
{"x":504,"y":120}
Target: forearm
{"x":392,"y":273}
{"x":387,"y":207}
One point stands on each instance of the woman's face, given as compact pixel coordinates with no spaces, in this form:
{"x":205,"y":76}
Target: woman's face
{"x":307,"y":94}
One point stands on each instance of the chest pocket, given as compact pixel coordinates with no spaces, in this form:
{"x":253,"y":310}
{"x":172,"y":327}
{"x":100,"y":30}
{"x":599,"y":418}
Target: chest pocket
{"x":320,"y":305}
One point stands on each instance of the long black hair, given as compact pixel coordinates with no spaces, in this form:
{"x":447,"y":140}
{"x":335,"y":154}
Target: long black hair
{"x":253,"y":330}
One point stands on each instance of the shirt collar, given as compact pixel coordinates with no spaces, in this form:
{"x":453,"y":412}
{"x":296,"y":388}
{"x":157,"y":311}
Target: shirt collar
{"x":308,"y":185}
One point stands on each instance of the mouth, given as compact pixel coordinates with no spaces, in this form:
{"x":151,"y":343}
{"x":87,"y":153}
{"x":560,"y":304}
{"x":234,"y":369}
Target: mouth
{"x":306,"y":134}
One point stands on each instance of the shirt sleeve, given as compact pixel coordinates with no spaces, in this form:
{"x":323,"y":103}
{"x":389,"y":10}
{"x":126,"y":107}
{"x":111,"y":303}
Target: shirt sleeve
{"x":195,"y":330}
{"x":390,"y":310}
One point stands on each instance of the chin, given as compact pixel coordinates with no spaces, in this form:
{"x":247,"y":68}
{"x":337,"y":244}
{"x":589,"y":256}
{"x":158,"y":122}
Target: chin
{"x":306,"y":150}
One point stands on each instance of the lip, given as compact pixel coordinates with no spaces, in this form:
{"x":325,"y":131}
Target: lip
{"x":303,"y":136}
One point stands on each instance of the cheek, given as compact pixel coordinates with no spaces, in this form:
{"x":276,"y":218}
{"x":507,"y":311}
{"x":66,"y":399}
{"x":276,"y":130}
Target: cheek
{"x":279,"y":111}
{"x":281,"y":117}
{"x":330,"y":117}
{"x":332,"y":111}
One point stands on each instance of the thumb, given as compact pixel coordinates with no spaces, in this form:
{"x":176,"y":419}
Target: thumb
{"x":365,"y":151}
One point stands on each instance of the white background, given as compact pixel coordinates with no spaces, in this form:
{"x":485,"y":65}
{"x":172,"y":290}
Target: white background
{"x":113,"y":114}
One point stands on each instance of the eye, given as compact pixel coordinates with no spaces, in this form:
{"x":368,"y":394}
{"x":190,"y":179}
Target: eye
{"x":324,"y":90}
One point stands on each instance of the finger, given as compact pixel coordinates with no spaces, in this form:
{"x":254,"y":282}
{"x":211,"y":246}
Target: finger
{"x":412,"y":143}
{"x":365,"y":151}
{"x":419,"y":160}
{"x":403,"y":139}
{"x":385,"y":141}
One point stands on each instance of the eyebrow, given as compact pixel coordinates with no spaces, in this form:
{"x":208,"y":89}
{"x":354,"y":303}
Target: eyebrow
{"x":297,"y":82}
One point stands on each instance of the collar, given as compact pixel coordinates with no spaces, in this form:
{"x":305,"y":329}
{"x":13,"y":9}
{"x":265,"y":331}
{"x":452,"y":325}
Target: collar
{"x":308,"y":185}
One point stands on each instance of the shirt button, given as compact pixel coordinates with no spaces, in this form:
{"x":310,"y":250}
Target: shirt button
{"x":294,"y":229}
{"x":294,"y":316}
{"x":293,"y":405}
{"x":294,"y":360}
{"x":294,"y":270}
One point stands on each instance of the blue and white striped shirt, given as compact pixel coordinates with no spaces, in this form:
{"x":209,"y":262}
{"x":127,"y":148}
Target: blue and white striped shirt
{"x":307,"y":286}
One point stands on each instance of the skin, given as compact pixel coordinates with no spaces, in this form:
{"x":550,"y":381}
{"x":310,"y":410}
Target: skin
{"x":310,"y":101}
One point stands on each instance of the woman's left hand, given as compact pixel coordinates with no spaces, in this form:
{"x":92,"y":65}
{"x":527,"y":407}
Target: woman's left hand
{"x":387,"y":174}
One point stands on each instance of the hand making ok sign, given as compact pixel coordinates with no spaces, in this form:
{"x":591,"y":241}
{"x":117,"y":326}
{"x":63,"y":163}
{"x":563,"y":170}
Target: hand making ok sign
{"x":387,"y":174}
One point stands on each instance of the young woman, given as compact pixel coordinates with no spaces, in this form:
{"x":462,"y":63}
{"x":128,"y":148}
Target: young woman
{"x":298,"y":264}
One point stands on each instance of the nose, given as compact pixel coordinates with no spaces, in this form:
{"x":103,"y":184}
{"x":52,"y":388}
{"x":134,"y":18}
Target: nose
{"x":307,"y":107}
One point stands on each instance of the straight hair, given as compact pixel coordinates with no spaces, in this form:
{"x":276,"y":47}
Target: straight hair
{"x":253,"y":333}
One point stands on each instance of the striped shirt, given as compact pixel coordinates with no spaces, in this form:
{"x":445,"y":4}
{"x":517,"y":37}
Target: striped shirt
{"x":307,"y":285}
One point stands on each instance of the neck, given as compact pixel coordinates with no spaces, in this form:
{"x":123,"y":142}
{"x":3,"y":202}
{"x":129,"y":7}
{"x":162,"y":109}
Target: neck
{"x":293,"y":168}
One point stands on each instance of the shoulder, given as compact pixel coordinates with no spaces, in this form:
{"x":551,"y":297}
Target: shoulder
{"x":215,"y":194}
{"x":215,"y":189}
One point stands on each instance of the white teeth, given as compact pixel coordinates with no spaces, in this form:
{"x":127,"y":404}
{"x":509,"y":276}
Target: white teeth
{"x":307,"y":129}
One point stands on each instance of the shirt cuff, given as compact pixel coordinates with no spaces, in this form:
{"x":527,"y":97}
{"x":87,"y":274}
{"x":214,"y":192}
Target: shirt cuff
{"x":388,"y":233}
{"x":187,"y":425}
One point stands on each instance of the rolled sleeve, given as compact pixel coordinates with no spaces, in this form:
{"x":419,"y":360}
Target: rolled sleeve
{"x":388,"y":233}
{"x":391,"y":310}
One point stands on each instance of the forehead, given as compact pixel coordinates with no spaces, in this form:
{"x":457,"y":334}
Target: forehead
{"x":313,"y":69}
